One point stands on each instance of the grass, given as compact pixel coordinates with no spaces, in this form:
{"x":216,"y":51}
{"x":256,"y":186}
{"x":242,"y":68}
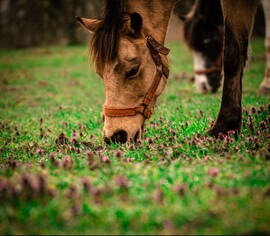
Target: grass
{"x":58,"y":177}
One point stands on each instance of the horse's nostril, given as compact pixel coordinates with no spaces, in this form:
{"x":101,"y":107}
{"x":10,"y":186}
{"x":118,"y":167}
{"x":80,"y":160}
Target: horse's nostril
{"x":119,"y":137}
{"x":107,"y":140}
{"x":204,"y":88}
{"x":137,"y":137}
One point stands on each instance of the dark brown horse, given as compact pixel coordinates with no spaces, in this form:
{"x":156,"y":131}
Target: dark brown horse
{"x":127,"y":49}
{"x":265,"y":85}
{"x":204,"y":34}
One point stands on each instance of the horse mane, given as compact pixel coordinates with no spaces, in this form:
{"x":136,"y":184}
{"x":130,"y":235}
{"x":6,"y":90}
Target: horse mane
{"x":105,"y":41}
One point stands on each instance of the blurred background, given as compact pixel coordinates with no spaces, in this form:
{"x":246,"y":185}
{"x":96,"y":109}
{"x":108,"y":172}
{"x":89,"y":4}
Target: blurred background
{"x":28,"y":23}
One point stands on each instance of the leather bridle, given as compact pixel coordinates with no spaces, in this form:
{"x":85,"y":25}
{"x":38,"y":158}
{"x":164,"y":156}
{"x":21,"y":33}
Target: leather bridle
{"x":217,"y":66}
{"x":155,"y":49}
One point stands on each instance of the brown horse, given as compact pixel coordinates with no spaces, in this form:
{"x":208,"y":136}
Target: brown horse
{"x":128,"y":52}
{"x":265,"y":85}
{"x":204,"y":34}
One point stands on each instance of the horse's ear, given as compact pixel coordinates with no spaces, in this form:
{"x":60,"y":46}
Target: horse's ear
{"x":89,"y":24}
{"x":136,"y":22}
{"x":134,"y":25}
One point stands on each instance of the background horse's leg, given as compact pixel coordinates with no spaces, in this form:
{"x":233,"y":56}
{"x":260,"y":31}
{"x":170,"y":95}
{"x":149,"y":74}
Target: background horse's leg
{"x":238,"y":20}
{"x":265,"y":85}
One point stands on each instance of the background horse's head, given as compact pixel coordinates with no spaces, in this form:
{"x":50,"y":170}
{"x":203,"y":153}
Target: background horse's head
{"x":123,"y":59}
{"x":203,"y":32}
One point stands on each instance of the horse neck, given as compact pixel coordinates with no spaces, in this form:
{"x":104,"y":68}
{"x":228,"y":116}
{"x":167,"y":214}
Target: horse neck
{"x":156,"y":15}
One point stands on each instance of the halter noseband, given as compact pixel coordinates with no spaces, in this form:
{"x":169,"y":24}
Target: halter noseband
{"x":155,"y":49}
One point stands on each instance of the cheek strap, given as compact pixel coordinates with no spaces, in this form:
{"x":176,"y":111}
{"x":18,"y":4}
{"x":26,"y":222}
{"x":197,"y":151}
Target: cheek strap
{"x":155,"y":50}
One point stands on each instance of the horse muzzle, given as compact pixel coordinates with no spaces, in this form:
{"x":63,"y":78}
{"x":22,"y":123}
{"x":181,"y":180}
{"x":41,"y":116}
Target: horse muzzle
{"x":123,"y":129}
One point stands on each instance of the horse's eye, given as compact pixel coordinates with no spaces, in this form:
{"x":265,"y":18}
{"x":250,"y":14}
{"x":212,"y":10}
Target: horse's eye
{"x":134,"y":71}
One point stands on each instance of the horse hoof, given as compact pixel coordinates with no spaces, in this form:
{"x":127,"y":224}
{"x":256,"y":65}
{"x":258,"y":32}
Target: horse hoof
{"x":215,"y":132}
{"x":219,"y":131}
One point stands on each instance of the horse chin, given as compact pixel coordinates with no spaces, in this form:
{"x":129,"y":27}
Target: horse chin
{"x":202,"y":84}
{"x":123,"y":129}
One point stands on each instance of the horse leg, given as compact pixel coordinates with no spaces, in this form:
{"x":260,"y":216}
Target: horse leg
{"x":238,"y":22}
{"x":265,"y":85}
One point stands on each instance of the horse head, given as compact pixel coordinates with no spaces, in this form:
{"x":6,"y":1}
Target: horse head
{"x":134,"y":68}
